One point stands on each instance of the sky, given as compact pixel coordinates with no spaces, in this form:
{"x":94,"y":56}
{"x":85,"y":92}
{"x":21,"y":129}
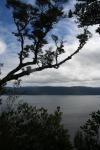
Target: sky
{"x":82,"y":70}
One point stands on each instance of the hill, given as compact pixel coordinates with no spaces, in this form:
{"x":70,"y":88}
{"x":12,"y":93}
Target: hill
{"x":50,"y":90}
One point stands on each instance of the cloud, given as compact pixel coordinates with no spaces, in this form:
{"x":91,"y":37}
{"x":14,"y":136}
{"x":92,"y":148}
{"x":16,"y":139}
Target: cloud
{"x":3,"y":47}
{"x":29,"y":1}
{"x":83,"y":69}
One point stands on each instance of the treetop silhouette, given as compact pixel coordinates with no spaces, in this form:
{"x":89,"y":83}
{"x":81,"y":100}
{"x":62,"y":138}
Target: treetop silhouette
{"x":33,"y":23}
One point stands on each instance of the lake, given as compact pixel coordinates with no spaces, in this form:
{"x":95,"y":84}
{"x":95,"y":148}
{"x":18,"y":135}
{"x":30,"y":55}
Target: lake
{"x":76,"y":109}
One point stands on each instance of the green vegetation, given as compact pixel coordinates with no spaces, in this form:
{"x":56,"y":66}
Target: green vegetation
{"x":88,"y":137}
{"x":34,"y":23}
{"x":26,"y":127}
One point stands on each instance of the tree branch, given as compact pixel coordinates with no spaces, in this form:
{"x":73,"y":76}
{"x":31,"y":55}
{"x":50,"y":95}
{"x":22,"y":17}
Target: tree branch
{"x":36,"y":30}
{"x":13,"y":76}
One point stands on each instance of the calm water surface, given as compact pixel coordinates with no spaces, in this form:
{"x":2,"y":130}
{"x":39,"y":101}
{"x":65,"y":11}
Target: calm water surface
{"x":76,"y":109}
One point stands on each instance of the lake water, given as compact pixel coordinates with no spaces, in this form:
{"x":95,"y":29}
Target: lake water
{"x":76,"y":109}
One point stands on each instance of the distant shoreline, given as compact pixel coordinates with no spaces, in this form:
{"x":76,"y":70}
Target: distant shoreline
{"x":50,"y":90}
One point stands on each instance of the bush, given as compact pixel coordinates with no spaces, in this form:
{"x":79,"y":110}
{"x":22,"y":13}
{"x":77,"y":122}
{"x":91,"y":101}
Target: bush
{"x":88,"y":138}
{"x":28,"y":128}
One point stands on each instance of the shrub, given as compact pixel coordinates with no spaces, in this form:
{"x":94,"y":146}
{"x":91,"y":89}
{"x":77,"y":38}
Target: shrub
{"x":88,"y":138}
{"x":29,"y":128}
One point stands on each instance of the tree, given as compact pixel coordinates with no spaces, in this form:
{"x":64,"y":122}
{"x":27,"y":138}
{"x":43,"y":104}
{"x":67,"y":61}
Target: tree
{"x":26,"y":127}
{"x":88,"y":138}
{"x":88,"y":13}
{"x":33,"y":23}
{"x":2,"y":86}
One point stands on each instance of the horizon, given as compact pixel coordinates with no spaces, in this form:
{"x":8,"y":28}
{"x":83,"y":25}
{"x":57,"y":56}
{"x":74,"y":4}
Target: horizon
{"x":54,"y":86}
{"x":52,"y":90}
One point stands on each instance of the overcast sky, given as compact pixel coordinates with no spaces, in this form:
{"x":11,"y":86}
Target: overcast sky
{"x":83,"y":69}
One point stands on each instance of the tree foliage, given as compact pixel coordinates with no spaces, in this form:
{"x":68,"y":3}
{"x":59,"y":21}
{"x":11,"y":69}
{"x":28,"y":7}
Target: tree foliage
{"x":88,"y":138}
{"x":33,"y":24}
{"x":88,"y":12}
{"x":27,"y":127}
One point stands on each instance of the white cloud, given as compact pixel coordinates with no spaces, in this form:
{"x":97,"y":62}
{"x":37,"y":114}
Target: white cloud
{"x":83,"y":69}
{"x":3,"y":47}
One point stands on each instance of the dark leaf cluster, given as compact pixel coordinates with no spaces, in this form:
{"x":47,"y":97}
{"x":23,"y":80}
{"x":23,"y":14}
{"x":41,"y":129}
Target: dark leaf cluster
{"x":88,"y":138}
{"x":27,"y":127}
{"x":88,"y":12}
